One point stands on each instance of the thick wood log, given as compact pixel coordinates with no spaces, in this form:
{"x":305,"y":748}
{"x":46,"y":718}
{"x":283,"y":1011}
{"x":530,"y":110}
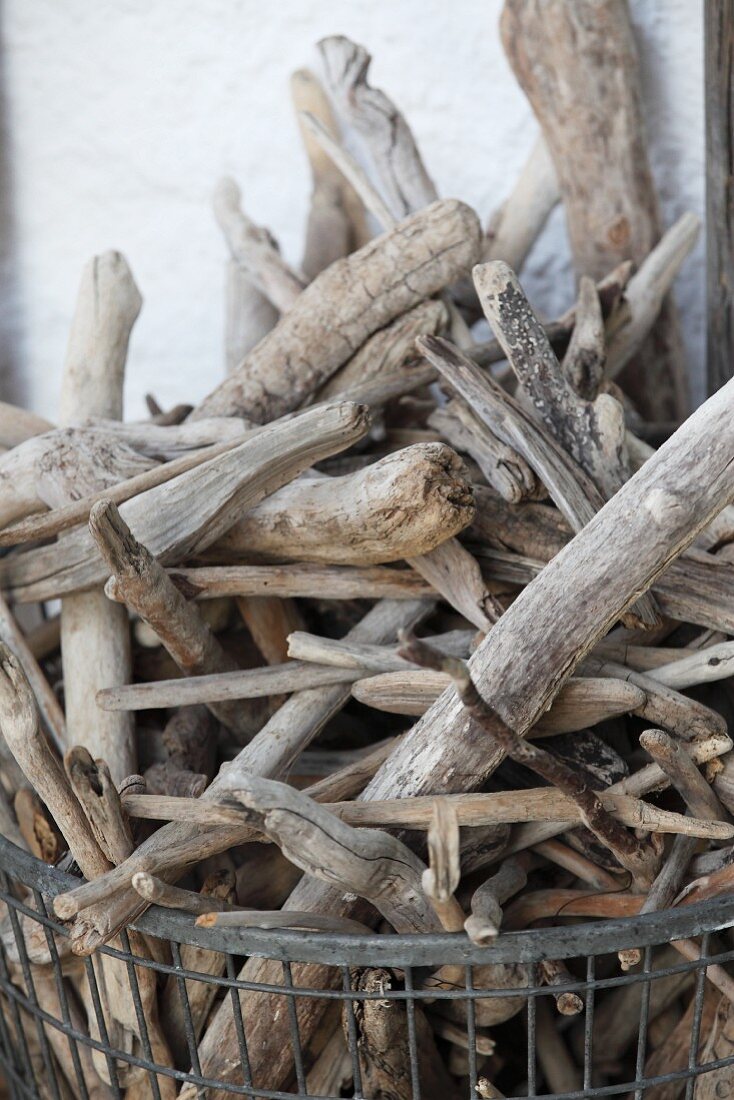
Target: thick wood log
{"x":578,"y":65}
{"x":327,"y":325}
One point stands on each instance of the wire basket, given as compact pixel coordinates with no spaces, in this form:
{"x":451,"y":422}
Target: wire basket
{"x":45,"y":1051}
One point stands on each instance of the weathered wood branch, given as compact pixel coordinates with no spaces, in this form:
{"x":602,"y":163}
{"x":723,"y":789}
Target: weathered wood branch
{"x":383,"y":129}
{"x":95,"y":635}
{"x":483,"y":923}
{"x":401,"y":506}
{"x":578,"y":66}
{"x":191,"y":511}
{"x":145,"y":587}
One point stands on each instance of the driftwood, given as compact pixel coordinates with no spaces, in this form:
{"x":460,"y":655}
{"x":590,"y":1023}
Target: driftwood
{"x":300,"y":579}
{"x":380,"y":125}
{"x":95,"y":635}
{"x":165,"y":519}
{"x":336,"y":222}
{"x":145,"y":587}
{"x":402,"y":506}
{"x":483,"y":923}
{"x":412,"y":262}
{"x":581,"y":76}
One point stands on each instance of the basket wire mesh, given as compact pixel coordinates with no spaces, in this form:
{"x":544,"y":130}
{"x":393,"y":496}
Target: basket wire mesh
{"x":45,"y":1054}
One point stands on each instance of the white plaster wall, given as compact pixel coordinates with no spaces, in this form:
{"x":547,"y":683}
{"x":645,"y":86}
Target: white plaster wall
{"x":121,"y":114}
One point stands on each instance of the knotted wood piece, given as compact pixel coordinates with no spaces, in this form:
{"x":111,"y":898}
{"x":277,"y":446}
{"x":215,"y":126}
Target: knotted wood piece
{"x":328,"y":324}
{"x":578,"y":66}
{"x":146,"y":589}
{"x":188,"y":513}
{"x":95,"y":635}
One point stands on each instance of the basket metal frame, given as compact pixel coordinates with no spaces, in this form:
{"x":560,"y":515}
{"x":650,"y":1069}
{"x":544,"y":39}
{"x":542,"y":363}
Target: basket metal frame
{"x":412,"y":955}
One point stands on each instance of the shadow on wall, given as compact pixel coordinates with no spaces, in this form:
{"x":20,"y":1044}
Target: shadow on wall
{"x":13,"y":386}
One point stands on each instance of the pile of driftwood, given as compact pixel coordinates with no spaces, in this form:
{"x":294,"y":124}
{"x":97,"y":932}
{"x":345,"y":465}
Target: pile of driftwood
{"x":252,"y":729}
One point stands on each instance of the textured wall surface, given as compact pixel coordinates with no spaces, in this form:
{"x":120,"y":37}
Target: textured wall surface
{"x":119,"y":115}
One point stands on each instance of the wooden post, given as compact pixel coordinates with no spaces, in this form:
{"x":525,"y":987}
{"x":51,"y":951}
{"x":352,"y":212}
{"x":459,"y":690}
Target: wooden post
{"x":719,"y":90}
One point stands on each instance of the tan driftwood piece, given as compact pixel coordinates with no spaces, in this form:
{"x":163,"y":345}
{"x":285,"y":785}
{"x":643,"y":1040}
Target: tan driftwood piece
{"x":380,"y":125}
{"x":301,"y":579}
{"x":32,"y":826}
{"x":676,"y":762}
{"x":254,"y":249}
{"x":583,"y":363}
{"x":389,"y":350}
{"x":517,"y":223}
{"x":452,"y":571}
{"x":638,"y":857}
{"x":148,"y":590}
{"x":372,"y":864}
{"x":501,"y":465}
{"x":48,"y":705}
{"x":441,"y":877}
{"x":646,"y":291}
{"x":95,"y":635}
{"x":336,"y":222}
{"x":578,"y":66}
{"x":271,"y":752}
{"x":401,"y":506}
{"x":592,"y":433}
{"x":484,"y":921}
{"x":188,"y":513}
{"x":218,"y":888}
{"x":326,"y":326}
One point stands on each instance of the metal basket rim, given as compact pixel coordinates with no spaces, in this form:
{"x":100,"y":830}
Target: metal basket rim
{"x":348,"y":949}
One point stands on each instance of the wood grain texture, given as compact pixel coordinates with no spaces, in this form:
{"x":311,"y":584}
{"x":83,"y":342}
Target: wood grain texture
{"x":718,"y":17}
{"x":578,"y":65}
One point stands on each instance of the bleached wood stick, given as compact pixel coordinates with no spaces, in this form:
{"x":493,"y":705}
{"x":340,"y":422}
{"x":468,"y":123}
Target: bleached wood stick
{"x":703,"y":667}
{"x":483,"y":923}
{"x":441,"y":878}
{"x":188,"y":513}
{"x":579,"y":865}
{"x":326,"y":326}
{"x":20,"y":728}
{"x":580,"y":71}
{"x":148,"y":590}
{"x":95,"y":635}
{"x":248,"y":315}
{"x":48,"y":705}
{"x":92,"y":784}
{"x":650,"y":778}
{"x":342,"y":653}
{"x":271,"y":752}
{"x":473,"y":811}
{"x":677,"y":764}
{"x":664,"y":889}
{"x":583,"y":363}
{"x":69,"y":515}
{"x":453,"y":572}
{"x":254,"y":248}
{"x":646,"y":292}
{"x":517,"y":223}
{"x":374,"y":865}
{"x":591,"y":433}
{"x":501,"y":465}
{"x":379,"y":123}
{"x":299,"y":580}
{"x":580,"y":703}
{"x":336,"y":222}
{"x":555,"y":973}
{"x":388,"y":350}
{"x":638,"y":858}
{"x":401,"y":506}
